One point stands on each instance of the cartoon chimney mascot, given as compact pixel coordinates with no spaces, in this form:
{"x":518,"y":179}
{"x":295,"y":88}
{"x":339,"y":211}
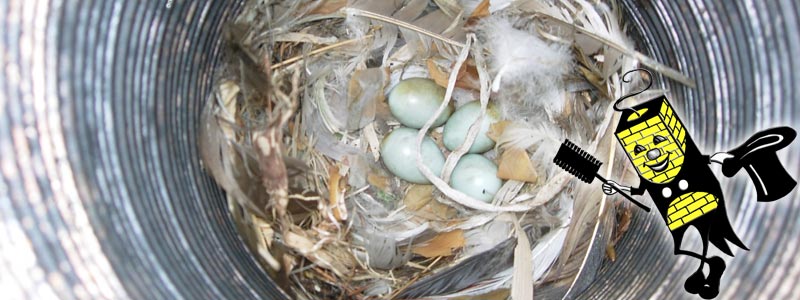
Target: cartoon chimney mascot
{"x":678,"y":178}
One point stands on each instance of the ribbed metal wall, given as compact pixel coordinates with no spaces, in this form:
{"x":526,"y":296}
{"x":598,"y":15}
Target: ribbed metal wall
{"x":102,"y":194}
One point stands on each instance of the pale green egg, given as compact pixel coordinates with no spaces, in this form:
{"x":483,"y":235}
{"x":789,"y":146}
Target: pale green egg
{"x":455,"y":131}
{"x":413,"y":101}
{"x":397,"y":153}
{"x":476,"y":176}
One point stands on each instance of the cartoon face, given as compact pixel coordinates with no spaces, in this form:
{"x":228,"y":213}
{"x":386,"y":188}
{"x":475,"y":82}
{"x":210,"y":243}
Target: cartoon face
{"x":655,"y":146}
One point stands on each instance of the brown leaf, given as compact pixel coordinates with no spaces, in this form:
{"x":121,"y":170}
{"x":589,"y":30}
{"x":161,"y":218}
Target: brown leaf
{"x":481,"y":11}
{"x":336,"y":197}
{"x":623,"y":222}
{"x":496,"y":130}
{"x":516,"y":165}
{"x":442,"y":245}
{"x":378,"y":181}
{"x":500,"y":294}
{"x":329,"y":258}
{"x":467,"y":77}
{"x":329,"y":6}
{"x":438,"y":211}
{"x":418,"y":196}
{"x":611,"y":253}
{"x":438,"y":76}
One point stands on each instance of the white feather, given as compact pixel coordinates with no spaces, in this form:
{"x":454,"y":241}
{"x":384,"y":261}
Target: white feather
{"x":547,"y":250}
{"x":486,"y":237}
{"x":526,"y":68}
{"x":521,"y":280}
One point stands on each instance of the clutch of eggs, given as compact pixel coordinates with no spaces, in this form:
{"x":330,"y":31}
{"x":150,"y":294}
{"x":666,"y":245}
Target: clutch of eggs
{"x":413,"y":102}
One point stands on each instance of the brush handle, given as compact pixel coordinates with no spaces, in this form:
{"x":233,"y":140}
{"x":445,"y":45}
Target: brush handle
{"x":639,"y":204}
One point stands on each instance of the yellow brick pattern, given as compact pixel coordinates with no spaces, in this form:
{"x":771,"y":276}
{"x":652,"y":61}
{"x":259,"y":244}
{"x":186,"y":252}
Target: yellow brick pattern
{"x":637,"y":114}
{"x":666,"y":124}
{"x":676,"y":128}
{"x":688,"y":207}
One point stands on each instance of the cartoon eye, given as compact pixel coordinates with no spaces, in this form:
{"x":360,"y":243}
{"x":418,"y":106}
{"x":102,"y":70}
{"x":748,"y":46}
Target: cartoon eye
{"x":638,"y":149}
{"x":658,"y":139}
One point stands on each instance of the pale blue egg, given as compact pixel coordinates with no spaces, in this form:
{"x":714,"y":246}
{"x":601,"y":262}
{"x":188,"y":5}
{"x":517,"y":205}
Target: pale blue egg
{"x":455,"y":131}
{"x":397,"y":153}
{"x":413,"y":101}
{"x":476,"y":176}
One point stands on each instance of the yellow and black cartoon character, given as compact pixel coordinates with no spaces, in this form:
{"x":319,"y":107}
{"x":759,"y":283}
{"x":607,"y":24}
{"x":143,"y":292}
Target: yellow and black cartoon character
{"x":679,"y":179}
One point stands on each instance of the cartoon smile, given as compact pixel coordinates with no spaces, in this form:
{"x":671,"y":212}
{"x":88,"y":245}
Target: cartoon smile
{"x":659,"y":166}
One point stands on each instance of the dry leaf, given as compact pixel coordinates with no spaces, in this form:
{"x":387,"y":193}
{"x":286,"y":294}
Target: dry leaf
{"x":499,"y":294}
{"x":265,"y":242}
{"x":288,"y":262}
{"x":228,"y":91}
{"x":623,"y":222}
{"x":516,"y":165}
{"x":378,"y":181}
{"x":315,"y":252}
{"x":442,"y":245}
{"x":336,"y":197}
{"x":611,"y":253}
{"x":438,"y":211}
{"x":438,"y":76}
{"x":481,"y":11}
{"x":467,"y":77}
{"x":496,"y":130}
{"x":329,"y":6}
{"x":418,"y":196}
{"x":372,"y":140}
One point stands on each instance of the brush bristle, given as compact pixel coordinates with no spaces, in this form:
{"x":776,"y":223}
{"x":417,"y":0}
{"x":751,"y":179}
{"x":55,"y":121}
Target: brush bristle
{"x":577,"y":162}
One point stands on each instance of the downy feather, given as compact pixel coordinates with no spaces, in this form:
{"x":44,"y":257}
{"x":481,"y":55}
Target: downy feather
{"x":528,"y":71}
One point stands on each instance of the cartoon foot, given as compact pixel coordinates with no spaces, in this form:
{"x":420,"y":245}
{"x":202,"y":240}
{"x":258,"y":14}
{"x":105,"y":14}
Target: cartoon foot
{"x":695,"y":283}
{"x":716,"y":267}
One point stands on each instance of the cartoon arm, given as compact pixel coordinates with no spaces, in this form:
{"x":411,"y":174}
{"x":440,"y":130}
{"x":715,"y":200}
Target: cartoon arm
{"x":758,"y":157}
{"x":718,"y":157}
{"x":608,"y":188}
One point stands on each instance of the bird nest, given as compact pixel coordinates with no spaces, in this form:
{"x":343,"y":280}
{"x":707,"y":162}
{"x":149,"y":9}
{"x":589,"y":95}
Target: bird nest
{"x":294,"y":127}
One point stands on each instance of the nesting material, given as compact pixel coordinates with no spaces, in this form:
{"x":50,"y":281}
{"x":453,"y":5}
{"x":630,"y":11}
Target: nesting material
{"x":295,"y":129}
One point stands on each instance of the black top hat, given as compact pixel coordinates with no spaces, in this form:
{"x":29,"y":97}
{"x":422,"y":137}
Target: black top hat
{"x":757,"y":156}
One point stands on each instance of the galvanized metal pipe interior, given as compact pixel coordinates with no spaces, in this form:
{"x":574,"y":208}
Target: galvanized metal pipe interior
{"x":103,"y":196}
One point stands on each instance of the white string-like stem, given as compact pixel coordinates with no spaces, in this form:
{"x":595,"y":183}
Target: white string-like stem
{"x":440,"y":184}
{"x":472,"y":133}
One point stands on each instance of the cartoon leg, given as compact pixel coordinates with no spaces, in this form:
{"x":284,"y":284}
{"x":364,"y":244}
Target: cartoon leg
{"x":698,"y":283}
{"x":716,"y":266}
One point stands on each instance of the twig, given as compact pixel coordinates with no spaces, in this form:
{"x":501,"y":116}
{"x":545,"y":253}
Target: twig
{"x":318,"y":51}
